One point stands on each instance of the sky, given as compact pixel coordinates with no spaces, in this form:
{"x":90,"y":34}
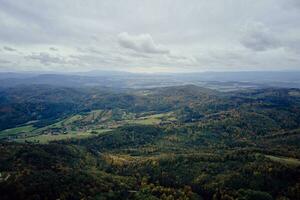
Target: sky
{"x":149,"y":35}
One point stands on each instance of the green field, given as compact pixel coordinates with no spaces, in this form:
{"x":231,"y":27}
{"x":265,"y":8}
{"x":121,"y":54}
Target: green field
{"x":46,"y":138}
{"x":16,"y":131}
{"x":71,"y":121}
{"x":285,"y":160}
{"x":81,"y":125}
{"x":153,"y":119}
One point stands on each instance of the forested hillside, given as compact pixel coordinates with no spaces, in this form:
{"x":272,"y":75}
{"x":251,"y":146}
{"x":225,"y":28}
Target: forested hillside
{"x":180,"y":142}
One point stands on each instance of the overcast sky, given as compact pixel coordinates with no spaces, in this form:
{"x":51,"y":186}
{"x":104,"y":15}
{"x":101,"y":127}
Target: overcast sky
{"x":149,"y":35}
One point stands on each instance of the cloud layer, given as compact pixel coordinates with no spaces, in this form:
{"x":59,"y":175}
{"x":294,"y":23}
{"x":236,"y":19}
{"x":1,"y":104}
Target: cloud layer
{"x":8,"y":48}
{"x":257,"y":37}
{"x":149,"y":35}
{"x":141,"y":43}
{"x":47,"y":59}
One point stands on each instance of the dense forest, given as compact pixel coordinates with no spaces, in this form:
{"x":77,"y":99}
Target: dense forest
{"x":180,"y":142}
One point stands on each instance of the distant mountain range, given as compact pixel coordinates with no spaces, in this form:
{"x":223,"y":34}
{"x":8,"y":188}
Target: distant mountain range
{"x":216,"y":80}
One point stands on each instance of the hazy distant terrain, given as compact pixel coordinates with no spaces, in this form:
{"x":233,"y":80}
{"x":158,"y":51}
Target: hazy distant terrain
{"x":215,"y":80}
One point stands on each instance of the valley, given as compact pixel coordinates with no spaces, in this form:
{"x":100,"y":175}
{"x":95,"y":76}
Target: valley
{"x":179,"y":142}
{"x":89,"y":124}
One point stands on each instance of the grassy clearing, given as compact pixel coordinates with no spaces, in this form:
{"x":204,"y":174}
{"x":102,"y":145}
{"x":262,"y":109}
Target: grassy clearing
{"x":16,"y":131}
{"x":84,"y":125}
{"x":152,"y":119}
{"x":147,"y":121}
{"x":43,"y":139}
{"x":48,"y":138}
{"x":285,"y":160}
{"x":72,"y":119}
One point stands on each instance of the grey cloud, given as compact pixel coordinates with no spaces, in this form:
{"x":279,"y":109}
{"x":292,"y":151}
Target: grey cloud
{"x":143,"y":43}
{"x":47,"y":59}
{"x":231,"y":58}
{"x":139,"y":55}
{"x":91,"y":31}
{"x":258,"y":37}
{"x":97,"y":59}
{"x":179,"y":57}
{"x":291,"y":4}
{"x":292,"y":43}
{"x":4,"y":61}
{"x":9,"y":48}
{"x":87,"y":60}
{"x":94,"y":51}
{"x":89,"y":50}
{"x":53,"y":49}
